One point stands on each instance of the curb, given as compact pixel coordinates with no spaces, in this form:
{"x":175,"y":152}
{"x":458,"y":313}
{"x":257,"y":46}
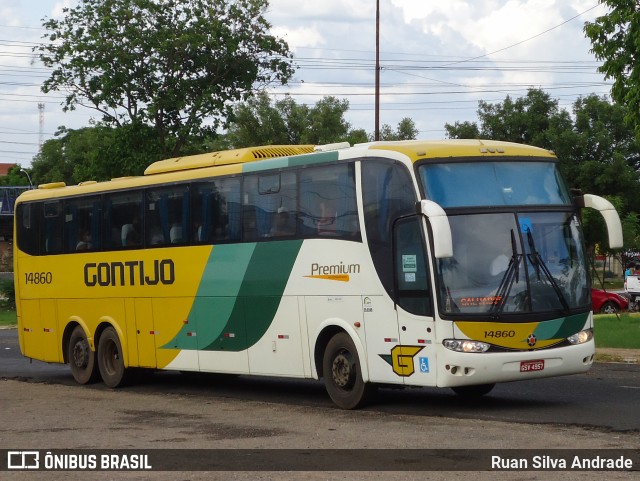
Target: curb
{"x":625,"y":356}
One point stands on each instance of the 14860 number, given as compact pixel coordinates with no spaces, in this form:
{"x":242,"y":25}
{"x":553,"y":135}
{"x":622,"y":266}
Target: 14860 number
{"x":38,"y":277}
{"x":498,"y":334}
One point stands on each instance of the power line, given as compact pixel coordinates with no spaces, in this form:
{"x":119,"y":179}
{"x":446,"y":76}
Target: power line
{"x":530,"y":38}
{"x":17,"y":143}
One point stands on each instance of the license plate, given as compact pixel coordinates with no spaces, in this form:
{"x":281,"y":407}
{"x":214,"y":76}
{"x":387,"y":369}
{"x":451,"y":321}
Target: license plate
{"x":527,"y":366}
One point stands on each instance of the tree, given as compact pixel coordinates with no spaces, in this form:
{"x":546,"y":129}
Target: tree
{"x":15,"y":177}
{"x":95,"y":153}
{"x":259,"y":122}
{"x":168,"y":64}
{"x":462,"y":130}
{"x":406,"y":130}
{"x":614,"y":39}
{"x":525,"y":120}
{"x":326,"y":122}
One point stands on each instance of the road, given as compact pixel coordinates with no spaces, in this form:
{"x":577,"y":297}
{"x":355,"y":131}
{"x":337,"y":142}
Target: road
{"x":605,"y":398}
{"x":42,"y":408}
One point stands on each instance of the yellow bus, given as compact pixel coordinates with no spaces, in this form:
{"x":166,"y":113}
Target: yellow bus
{"x":451,"y":263}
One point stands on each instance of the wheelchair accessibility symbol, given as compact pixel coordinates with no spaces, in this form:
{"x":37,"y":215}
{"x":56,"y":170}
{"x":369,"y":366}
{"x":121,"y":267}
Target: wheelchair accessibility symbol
{"x":424,"y":364}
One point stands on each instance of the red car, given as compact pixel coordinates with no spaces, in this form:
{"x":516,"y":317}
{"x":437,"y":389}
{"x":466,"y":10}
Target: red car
{"x":608,"y":302}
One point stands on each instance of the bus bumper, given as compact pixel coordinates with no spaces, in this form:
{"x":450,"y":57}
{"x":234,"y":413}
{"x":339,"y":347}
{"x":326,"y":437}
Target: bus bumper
{"x":465,"y":369}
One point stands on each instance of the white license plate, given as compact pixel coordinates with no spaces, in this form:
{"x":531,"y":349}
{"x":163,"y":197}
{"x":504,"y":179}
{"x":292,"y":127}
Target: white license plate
{"x":527,"y":366}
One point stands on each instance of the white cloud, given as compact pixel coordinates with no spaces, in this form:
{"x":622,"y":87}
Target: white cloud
{"x":301,"y":36}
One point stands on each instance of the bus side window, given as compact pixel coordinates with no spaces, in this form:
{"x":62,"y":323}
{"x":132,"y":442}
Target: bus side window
{"x":229,"y":208}
{"x":271,"y":206}
{"x":387,"y":192}
{"x":122,"y":225}
{"x":250,"y":216}
{"x":203,"y":201}
{"x":28,"y":221}
{"x":328,"y":205}
{"x":82,"y":224}
{"x":217,"y":211}
{"x":52,"y":228}
{"x":167,"y":215}
{"x":285,"y":220}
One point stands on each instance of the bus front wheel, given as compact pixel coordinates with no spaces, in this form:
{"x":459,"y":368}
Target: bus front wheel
{"x":110,"y":359}
{"x":81,"y":358}
{"x":342,"y":374}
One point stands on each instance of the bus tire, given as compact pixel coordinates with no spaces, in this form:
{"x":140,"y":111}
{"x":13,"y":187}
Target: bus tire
{"x":342,"y":373}
{"x":473,"y":391}
{"x":82,"y":359}
{"x":110,"y":359}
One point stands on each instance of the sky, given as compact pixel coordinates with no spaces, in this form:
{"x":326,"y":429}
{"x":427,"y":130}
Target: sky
{"x":438,"y":59}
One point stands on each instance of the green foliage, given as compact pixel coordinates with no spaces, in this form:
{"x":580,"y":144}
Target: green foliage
{"x":525,"y":120}
{"x":615,"y":37}
{"x":358,"y":136}
{"x":406,"y":130}
{"x":96,"y":153}
{"x":462,"y":130}
{"x":259,"y":122}
{"x":8,"y":295}
{"x":326,"y":122}
{"x":15,"y":177}
{"x":167,"y":64}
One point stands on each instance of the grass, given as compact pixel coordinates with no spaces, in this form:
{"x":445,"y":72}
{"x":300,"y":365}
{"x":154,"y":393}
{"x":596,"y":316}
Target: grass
{"x":623,"y":333}
{"x":609,"y":284}
{"x":8,"y":318}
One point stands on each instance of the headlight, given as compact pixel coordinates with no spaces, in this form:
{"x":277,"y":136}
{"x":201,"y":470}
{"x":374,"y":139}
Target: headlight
{"x":465,"y":345}
{"x":581,"y":337}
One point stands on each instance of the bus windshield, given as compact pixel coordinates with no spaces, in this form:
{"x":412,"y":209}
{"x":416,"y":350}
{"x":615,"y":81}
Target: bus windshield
{"x":480,"y":183}
{"x":509,"y":263}
{"x":518,"y":260}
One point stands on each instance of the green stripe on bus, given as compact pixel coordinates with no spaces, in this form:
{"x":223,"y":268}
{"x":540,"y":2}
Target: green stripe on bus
{"x":222,"y":278}
{"x":297,"y":161}
{"x":259,"y":297}
{"x":238,"y":296}
{"x":560,"y":328}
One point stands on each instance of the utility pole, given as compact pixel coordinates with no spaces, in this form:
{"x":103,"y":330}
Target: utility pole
{"x":377,"y":94}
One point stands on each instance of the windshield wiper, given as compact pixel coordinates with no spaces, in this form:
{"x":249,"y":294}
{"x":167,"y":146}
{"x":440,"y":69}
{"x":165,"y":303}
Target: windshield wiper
{"x":537,"y":260}
{"x":512,"y":274}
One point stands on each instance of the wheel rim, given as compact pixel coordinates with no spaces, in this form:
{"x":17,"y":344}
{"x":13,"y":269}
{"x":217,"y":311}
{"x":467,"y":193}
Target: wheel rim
{"x":81,"y":354}
{"x":609,"y":309}
{"x":343,"y":370}
{"x":111,"y":358}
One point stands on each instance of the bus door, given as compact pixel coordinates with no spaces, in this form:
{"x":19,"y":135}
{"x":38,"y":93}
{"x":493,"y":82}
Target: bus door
{"x":413,"y":358}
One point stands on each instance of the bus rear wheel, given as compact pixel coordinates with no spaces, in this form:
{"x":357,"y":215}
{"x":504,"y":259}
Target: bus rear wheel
{"x":110,"y":359}
{"x":342,"y":373}
{"x":473,"y":391}
{"x":81,"y":358}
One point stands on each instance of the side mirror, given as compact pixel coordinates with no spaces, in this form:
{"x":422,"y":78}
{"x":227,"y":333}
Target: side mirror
{"x":441,"y":230}
{"x":611,"y":218}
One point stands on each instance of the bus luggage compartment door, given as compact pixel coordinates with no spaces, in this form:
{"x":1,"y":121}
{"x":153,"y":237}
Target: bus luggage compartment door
{"x":39,"y":330}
